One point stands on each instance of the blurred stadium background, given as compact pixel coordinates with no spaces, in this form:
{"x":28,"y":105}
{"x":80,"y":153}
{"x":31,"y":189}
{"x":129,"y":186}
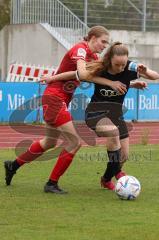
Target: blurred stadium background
{"x":34,"y":36}
{"x":62,"y":23}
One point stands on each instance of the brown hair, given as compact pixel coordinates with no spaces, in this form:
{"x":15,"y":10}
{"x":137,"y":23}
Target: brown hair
{"x":96,"y":31}
{"x":97,"y":67}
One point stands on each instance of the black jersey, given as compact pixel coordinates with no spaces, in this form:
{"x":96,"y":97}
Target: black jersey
{"x":106,"y":94}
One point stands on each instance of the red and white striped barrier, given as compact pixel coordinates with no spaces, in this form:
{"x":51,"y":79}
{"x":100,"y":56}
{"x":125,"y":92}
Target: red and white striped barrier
{"x":24,"y":73}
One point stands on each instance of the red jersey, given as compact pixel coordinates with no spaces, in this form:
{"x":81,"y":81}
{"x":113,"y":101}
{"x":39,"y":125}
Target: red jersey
{"x":65,"y":89}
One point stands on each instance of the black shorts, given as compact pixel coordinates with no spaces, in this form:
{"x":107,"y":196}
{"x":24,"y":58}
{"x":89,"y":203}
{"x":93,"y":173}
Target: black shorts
{"x":92,"y":118}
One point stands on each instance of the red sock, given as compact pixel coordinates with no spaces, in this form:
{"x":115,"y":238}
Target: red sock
{"x":63,"y":162}
{"x":33,"y":152}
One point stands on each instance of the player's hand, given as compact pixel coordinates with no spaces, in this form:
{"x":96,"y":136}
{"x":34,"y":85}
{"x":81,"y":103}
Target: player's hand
{"x":45,"y":79}
{"x":141,"y":69}
{"x":140,"y":85}
{"x":119,"y":87}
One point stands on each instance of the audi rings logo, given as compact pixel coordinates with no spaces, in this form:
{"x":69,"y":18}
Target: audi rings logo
{"x":108,"y":93}
{"x":70,"y":86}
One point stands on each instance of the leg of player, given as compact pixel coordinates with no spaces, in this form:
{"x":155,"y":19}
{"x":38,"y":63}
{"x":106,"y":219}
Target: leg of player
{"x":120,"y":155}
{"x":106,"y":128}
{"x":35,"y":150}
{"x":124,"y":156}
{"x":65,"y":158}
{"x":113,"y":165}
{"x":124,"y":129}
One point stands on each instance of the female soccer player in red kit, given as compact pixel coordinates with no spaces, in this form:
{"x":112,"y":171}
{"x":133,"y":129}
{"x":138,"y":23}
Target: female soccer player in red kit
{"x":55,"y":100}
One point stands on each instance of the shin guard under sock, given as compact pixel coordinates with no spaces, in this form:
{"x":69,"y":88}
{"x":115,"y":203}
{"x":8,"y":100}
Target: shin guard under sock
{"x":63,"y":162}
{"x":33,"y":152}
{"x":113,"y":165}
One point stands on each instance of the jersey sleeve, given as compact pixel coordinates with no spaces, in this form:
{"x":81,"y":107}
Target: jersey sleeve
{"x":78,"y":52}
{"x":132,"y":70}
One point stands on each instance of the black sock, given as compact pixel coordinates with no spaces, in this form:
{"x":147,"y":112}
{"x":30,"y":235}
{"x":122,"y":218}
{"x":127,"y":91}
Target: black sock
{"x":113,"y":165}
{"x":108,"y":172}
{"x":51,"y":182}
{"x":15,"y":165}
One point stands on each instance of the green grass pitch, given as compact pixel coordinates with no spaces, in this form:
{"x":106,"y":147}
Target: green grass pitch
{"x":87,"y":212}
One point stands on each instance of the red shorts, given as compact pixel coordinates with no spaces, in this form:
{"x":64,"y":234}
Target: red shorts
{"x":55,"y":111}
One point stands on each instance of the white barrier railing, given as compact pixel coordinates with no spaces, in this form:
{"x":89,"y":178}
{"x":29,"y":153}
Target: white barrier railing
{"x":26,"y":73}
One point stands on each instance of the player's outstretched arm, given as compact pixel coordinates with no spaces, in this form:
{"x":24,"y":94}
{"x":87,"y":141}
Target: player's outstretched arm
{"x":115,"y":85}
{"x":138,"y":85}
{"x":46,"y":79}
{"x":84,"y":75}
{"x":147,"y":73}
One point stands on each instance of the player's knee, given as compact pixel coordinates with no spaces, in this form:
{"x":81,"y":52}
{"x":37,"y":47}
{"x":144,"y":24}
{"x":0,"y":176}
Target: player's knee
{"x":113,"y":143}
{"x":107,"y":131}
{"x":74,"y":147}
{"x":77,"y":143}
{"x":47,"y":143}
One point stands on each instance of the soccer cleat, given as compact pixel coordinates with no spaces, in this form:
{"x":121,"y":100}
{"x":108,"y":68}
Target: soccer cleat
{"x":9,"y":172}
{"x":53,"y":188}
{"x":120,"y":174}
{"x":108,"y":185}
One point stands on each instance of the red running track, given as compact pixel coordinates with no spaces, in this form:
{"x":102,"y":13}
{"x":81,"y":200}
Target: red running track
{"x":22,"y":136}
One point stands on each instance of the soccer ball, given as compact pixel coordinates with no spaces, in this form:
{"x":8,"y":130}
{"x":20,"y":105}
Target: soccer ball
{"x":128,"y":188}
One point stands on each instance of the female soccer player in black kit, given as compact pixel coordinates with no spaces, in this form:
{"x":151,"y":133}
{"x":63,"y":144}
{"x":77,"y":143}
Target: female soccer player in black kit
{"x":104,"y":114}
